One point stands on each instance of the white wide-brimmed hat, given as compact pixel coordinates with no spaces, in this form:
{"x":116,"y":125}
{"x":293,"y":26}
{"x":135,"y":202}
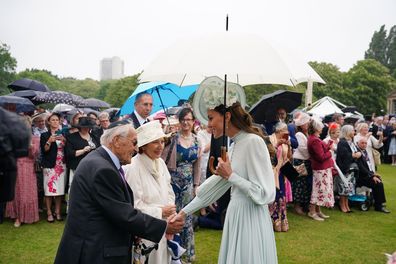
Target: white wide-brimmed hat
{"x":149,"y":132}
{"x":303,"y":118}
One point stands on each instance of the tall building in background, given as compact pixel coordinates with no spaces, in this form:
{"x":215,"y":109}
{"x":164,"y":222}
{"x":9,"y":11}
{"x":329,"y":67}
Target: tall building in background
{"x":111,"y":68}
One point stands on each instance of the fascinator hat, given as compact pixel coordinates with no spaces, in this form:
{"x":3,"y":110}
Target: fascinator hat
{"x":210,"y":94}
{"x":149,"y":132}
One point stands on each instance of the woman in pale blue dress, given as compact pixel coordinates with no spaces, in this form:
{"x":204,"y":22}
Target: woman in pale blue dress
{"x":248,"y":236}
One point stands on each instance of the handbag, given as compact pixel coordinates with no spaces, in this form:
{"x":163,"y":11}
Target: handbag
{"x":289,"y":171}
{"x":376,"y":156}
{"x":301,"y":169}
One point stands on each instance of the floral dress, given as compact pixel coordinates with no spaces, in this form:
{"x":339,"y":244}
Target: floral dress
{"x":182,"y":180}
{"x":54,"y":178}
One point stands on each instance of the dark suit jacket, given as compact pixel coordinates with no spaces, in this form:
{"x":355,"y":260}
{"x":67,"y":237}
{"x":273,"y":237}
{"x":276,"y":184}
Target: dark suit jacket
{"x":102,"y":220}
{"x":135,"y":120}
{"x":364,"y":172}
{"x":75,"y":142}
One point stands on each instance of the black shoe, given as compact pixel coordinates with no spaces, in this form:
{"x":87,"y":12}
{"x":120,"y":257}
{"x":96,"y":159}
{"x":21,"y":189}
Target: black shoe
{"x":383,"y":210}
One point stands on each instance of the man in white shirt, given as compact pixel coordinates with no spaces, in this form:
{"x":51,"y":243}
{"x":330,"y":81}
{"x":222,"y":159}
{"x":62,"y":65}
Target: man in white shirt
{"x":143,"y":106}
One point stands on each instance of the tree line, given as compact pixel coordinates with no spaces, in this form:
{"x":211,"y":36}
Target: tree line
{"x":366,"y":85}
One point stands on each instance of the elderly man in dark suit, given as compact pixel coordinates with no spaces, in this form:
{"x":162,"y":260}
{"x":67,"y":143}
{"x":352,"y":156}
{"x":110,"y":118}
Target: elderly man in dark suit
{"x":143,"y":106}
{"x":369,"y":178}
{"x":102,"y":221}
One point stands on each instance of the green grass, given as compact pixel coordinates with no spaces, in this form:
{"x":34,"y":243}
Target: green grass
{"x":360,"y":237}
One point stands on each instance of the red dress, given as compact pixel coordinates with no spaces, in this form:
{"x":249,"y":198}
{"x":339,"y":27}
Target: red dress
{"x":25,"y":203}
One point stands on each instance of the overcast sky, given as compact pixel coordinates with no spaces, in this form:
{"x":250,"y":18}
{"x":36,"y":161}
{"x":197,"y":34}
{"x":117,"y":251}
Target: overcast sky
{"x":70,"y":37}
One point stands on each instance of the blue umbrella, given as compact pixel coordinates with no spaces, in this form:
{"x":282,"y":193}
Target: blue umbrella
{"x":164,"y":94}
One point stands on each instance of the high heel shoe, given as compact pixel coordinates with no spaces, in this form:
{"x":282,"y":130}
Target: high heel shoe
{"x":284,"y":225}
{"x":277,"y":225}
{"x":315,"y":216}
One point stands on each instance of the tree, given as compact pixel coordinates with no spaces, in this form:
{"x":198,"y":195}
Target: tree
{"x":120,"y":90}
{"x":382,"y":48}
{"x":377,"y":47}
{"x":7,"y":68}
{"x":46,"y":77}
{"x":369,"y":83}
{"x":333,"y":77}
{"x":86,"y":88}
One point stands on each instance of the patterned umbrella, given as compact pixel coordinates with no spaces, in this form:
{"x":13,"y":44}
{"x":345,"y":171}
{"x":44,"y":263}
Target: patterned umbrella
{"x":58,"y":97}
{"x":28,"y":84}
{"x":95,"y":103}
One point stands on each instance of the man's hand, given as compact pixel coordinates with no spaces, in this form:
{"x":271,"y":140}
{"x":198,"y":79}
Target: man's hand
{"x":175,"y":223}
{"x":376,"y":179}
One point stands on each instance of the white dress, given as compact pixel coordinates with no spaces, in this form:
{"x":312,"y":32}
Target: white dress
{"x":248,"y":236}
{"x":150,"y":183}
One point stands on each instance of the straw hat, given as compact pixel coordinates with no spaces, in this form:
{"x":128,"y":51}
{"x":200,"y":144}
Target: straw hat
{"x":302,"y":119}
{"x":149,"y":132}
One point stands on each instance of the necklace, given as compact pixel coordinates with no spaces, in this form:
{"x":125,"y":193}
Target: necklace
{"x":186,"y":137}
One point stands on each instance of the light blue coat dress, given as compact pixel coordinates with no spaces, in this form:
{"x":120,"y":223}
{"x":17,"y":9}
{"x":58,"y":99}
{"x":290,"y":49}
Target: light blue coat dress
{"x":248,"y":235}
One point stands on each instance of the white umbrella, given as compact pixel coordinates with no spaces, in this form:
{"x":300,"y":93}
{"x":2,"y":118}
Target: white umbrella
{"x":245,"y":58}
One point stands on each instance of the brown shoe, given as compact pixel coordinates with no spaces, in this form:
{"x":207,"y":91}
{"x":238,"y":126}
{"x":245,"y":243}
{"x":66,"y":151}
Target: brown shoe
{"x":285,"y":226}
{"x":277,"y":225}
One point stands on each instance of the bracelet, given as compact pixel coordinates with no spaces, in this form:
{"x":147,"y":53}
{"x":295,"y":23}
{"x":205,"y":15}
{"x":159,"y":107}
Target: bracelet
{"x":47,"y":143}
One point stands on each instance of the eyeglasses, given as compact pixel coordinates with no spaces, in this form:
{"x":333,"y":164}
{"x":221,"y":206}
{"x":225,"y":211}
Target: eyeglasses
{"x":104,"y":120}
{"x":187,"y":120}
{"x":134,"y":142}
{"x":147,"y":104}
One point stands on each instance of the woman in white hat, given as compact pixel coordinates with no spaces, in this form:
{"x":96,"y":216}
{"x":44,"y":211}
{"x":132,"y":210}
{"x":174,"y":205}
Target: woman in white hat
{"x":149,"y":179}
{"x":302,"y":187}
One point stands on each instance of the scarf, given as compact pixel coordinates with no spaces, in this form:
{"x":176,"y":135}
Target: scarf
{"x":152,"y":166}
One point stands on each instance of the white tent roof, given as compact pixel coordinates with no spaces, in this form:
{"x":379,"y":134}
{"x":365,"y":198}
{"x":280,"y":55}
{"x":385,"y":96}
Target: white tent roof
{"x":327,"y":106}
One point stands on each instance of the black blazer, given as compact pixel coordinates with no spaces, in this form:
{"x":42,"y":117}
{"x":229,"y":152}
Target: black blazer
{"x":344,"y":156}
{"x":102,"y":221}
{"x":48,"y":158}
{"x":364,"y":171}
{"x":75,"y":142}
{"x":135,"y":120}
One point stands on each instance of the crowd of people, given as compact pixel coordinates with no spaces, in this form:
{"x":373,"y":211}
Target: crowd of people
{"x":147,"y":174}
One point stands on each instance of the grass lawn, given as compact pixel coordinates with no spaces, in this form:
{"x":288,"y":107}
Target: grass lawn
{"x":360,"y":237}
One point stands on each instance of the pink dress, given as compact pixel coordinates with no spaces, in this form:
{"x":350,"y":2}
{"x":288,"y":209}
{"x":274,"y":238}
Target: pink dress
{"x":25,"y":203}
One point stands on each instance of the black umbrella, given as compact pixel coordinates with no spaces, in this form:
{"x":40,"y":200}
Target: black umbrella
{"x":58,"y":97}
{"x":21,"y":104}
{"x":28,"y":84}
{"x":95,"y":103}
{"x":265,"y":109}
{"x":29,"y":94}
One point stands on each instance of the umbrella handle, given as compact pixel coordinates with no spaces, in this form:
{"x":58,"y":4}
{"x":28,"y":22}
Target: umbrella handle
{"x":211,"y":160}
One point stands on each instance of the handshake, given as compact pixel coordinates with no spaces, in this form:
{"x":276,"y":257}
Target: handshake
{"x":175,"y":223}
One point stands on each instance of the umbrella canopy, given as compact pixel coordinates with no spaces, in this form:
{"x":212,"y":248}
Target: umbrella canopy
{"x":28,"y":84}
{"x":165,"y":95}
{"x":95,"y":103}
{"x":29,"y":94}
{"x":63,"y":108}
{"x":265,"y":109}
{"x":21,"y":104}
{"x":245,"y":58}
{"x":58,"y":97}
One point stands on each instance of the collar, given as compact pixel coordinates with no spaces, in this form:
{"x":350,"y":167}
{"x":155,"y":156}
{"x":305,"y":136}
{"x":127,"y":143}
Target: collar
{"x":139,"y":118}
{"x":113,"y":157}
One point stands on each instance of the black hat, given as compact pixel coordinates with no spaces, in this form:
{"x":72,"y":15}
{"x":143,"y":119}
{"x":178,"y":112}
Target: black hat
{"x":85,"y":121}
{"x":120,"y":123}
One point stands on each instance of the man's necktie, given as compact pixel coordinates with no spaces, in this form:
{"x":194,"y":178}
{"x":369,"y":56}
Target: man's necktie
{"x":122,"y":174}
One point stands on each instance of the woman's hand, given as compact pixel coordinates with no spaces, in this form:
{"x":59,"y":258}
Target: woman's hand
{"x":168,"y":210}
{"x":224,"y":168}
